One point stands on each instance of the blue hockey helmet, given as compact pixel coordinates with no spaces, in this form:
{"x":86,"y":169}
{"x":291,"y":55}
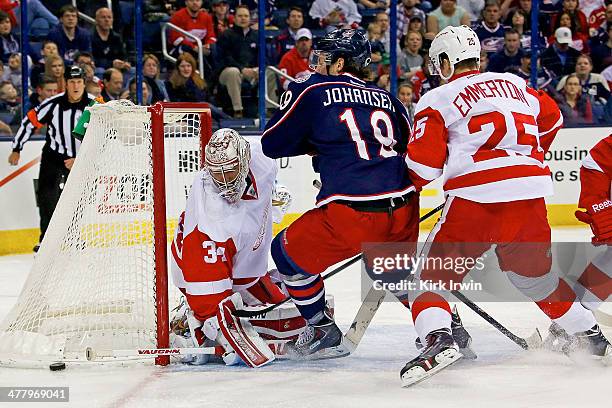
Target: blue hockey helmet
{"x":351,"y":45}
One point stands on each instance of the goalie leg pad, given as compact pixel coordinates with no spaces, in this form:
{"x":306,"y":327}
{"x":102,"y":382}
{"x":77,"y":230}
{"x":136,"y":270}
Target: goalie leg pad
{"x":241,"y":335}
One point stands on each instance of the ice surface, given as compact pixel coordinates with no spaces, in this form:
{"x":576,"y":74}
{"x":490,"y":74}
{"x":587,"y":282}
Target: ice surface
{"x":502,"y":376}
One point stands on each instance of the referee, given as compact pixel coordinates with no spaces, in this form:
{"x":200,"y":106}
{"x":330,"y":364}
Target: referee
{"x":60,"y":114}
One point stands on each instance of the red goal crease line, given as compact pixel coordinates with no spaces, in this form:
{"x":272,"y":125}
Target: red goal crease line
{"x":20,"y":170}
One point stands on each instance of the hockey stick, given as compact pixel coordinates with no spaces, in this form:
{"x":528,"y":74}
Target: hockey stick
{"x":253,"y":313}
{"x":533,"y":341}
{"x":369,"y":307}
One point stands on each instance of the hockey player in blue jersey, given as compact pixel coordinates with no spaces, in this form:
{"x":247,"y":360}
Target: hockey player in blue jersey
{"x":357,"y":134}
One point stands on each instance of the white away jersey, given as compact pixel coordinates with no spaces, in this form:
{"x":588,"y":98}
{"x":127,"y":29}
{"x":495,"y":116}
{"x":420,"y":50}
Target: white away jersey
{"x":491,"y":131}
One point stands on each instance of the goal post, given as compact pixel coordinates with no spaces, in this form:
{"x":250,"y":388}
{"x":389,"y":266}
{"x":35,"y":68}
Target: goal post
{"x":100,"y":280}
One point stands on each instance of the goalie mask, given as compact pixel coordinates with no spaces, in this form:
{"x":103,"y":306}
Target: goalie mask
{"x":227,"y":157}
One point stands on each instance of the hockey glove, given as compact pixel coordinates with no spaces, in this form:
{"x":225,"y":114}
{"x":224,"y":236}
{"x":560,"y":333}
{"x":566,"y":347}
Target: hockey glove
{"x":599,"y":217}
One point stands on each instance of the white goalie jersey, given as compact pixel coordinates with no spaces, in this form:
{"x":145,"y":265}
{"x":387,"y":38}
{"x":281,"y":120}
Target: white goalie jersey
{"x":220,"y":247}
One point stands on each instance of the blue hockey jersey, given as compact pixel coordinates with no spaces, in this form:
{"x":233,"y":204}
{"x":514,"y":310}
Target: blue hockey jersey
{"x":357,"y":134}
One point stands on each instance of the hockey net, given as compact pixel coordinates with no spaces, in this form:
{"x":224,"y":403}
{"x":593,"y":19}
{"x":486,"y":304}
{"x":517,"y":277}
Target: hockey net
{"x":99,"y":281}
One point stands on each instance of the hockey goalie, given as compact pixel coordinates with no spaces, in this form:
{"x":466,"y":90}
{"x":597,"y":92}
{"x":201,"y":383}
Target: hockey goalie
{"x":220,"y":255}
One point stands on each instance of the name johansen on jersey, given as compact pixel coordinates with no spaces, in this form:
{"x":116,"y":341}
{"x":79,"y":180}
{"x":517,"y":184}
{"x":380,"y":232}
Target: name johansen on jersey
{"x":344,"y":94}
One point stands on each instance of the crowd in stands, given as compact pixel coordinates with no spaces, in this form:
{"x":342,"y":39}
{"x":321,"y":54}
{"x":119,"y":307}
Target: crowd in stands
{"x":574,"y":49}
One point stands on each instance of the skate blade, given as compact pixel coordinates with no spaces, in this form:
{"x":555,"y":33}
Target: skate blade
{"x":468,"y":353}
{"x":535,"y":340}
{"x":417,"y":374}
{"x":324,"y":354}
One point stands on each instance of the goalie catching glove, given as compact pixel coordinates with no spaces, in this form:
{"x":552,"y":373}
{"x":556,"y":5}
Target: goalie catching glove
{"x":599,"y":217}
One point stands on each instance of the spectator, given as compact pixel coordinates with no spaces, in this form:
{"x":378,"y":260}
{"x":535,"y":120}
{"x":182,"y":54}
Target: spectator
{"x":559,"y":58}
{"x":579,"y":40}
{"x":544,"y":77}
{"x":150,"y":69}
{"x":423,"y":81}
{"x":602,"y":54}
{"x":524,"y":6}
{"x":373,"y":4}
{"x":54,"y":68}
{"x":195,"y":20}
{"x":10,"y":44}
{"x":406,"y":10}
{"x":68,"y":37}
{"x":7,"y":7}
{"x":107,"y":45}
{"x":473,"y":8}
{"x":89,"y":73}
{"x":9,"y":100}
{"x":490,"y":32}
{"x":287,"y":38}
{"x":47,"y":87}
{"x":579,"y":20}
{"x":332,"y":14}
{"x":410,"y":59}
{"x":40,"y":19}
{"x":448,"y":14}
{"x":417,"y":24}
{"x":238,"y":47}
{"x":600,"y":35}
{"x":48,"y":49}
{"x":576,"y":108}
{"x":599,"y":17}
{"x":85,"y":61}
{"x":94,"y":89}
{"x":382,"y":19}
{"x":112,"y":82}
{"x":510,"y":55}
{"x":589,"y":6}
{"x":378,"y":48}
{"x":222,"y":19}
{"x":517,"y":22}
{"x":404,"y":94}
{"x":295,"y":62}
{"x":484,"y":61}
{"x":131,"y":95}
{"x":594,"y":86}
{"x":184,"y":84}
{"x":12,"y":72}
{"x":384,"y":73}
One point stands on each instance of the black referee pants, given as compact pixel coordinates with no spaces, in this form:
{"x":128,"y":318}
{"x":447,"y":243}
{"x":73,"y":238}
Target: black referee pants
{"x":51,"y":178}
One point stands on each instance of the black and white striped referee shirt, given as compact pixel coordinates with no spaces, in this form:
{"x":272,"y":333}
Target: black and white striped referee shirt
{"x":61,"y":117}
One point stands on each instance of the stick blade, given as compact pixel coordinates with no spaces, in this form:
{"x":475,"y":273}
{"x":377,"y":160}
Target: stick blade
{"x":535,"y":340}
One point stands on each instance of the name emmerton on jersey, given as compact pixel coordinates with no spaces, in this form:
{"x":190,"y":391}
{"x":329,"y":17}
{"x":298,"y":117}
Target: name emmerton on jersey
{"x":493,"y":88}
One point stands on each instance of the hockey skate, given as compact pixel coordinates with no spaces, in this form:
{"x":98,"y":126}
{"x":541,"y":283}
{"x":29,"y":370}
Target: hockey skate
{"x":557,"y":338}
{"x":591,"y":342}
{"x":322,"y":340}
{"x":460,"y":335}
{"x":441,"y":351}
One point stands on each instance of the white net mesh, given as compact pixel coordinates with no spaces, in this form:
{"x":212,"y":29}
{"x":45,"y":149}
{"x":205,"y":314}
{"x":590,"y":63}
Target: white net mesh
{"x":92,"y":284}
